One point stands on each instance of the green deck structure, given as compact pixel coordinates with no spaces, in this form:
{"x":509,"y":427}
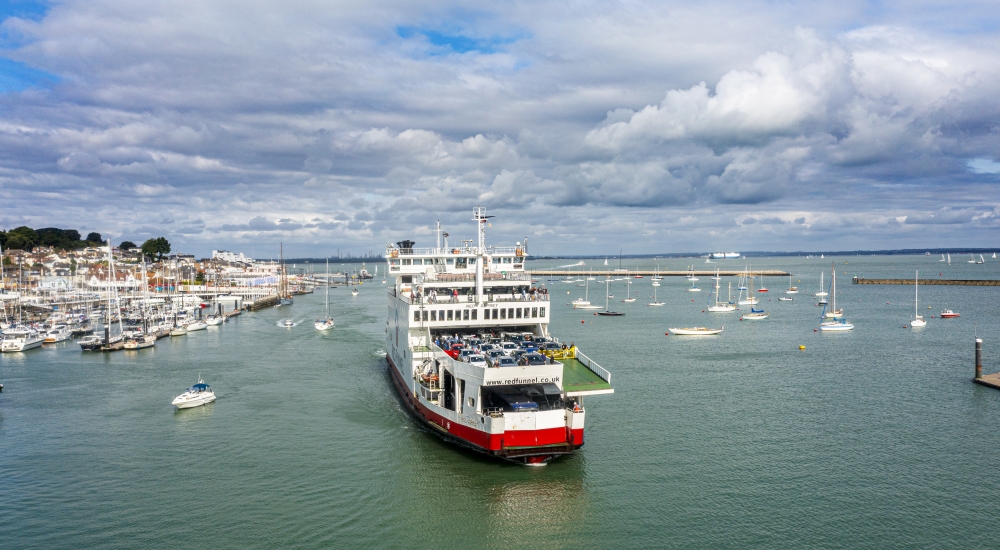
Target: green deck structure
{"x":577,"y":377}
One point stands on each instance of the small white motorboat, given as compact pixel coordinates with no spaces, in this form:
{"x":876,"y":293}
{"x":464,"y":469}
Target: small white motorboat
{"x":140,"y":343}
{"x":214,"y":320}
{"x":58,"y":333}
{"x":323,"y":324}
{"x":197,"y":395}
{"x":286,"y":323}
{"x":784,"y":299}
{"x":354,"y":292}
{"x":949,"y":314}
{"x":197,"y":325}
{"x":696,"y":331}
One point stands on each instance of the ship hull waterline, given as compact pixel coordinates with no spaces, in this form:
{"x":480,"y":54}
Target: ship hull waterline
{"x":464,"y":436}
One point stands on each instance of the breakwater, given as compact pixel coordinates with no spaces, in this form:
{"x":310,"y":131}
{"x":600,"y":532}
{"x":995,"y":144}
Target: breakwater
{"x":653,"y":272}
{"x":940,"y":282}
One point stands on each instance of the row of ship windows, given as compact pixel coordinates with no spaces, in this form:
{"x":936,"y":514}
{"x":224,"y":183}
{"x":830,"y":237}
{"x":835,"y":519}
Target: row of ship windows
{"x":457,"y":262}
{"x":488,"y":313}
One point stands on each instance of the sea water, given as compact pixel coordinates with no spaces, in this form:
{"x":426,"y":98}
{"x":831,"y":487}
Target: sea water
{"x":871,"y":438}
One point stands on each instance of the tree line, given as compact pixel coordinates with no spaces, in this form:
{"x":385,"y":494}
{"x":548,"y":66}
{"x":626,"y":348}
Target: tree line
{"x":26,"y":238}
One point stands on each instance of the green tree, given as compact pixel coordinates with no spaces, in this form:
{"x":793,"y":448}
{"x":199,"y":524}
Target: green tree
{"x":199,"y":278}
{"x":22,"y":238}
{"x":126,"y":245}
{"x":94,"y":237}
{"x":156,"y":248}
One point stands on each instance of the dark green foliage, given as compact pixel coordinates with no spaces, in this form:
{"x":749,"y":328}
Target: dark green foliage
{"x":26,"y":238}
{"x":94,"y":237}
{"x":156,"y":248}
{"x":126,"y":245}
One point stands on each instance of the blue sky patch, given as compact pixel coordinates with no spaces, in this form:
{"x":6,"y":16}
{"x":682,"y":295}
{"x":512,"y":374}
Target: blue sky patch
{"x":25,"y":9}
{"x":983,"y":166}
{"x":16,"y":76}
{"x":457,"y":43}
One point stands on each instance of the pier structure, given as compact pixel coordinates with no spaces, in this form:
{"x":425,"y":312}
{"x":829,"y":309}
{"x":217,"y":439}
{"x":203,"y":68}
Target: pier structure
{"x":928,"y":281}
{"x":656,"y":272}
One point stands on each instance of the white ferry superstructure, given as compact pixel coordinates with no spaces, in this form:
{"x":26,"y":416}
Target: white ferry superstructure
{"x":448,"y":305}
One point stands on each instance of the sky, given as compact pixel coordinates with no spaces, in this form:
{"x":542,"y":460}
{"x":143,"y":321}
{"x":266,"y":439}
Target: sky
{"x":585,"y":127}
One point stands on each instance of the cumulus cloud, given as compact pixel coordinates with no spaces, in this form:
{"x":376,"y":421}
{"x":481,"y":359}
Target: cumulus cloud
{"x":352,"y":125}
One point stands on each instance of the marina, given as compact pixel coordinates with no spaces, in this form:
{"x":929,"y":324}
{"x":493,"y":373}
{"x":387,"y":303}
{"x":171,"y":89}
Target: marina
{"x":740,"y":429}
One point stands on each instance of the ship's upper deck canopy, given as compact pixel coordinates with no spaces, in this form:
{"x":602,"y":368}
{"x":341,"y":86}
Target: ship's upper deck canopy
{"x":405,"y":259}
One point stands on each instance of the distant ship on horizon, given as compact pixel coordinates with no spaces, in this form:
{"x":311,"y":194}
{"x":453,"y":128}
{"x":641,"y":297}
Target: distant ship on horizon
{"x":725,"y":255}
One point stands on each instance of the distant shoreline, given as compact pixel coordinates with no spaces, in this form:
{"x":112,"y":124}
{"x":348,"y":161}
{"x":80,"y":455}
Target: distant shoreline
{"x":751,"y":254}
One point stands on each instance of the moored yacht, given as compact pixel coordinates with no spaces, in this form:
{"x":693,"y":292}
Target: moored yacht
{"x":523,"y":404}
{"x":58,"y":333}
{"x":21,"y":338}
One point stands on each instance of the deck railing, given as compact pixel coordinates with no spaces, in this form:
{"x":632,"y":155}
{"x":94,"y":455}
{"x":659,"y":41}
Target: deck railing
{"x":593,"y":366}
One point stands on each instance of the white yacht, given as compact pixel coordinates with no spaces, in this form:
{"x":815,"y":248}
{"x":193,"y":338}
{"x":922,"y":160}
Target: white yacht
{"x":197,"y":395}
{"x":58,"y":333}
{"x":326,"y":323}
{"x":197,"y":325}
{"x":21,"y":339}
{"x":918,"y":320}
{"x":140,"y":342}
{"x":214,"y":320}
{"x":696,"y":331}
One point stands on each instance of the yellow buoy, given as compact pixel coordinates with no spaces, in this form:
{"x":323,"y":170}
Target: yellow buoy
{"x":802,"y":348}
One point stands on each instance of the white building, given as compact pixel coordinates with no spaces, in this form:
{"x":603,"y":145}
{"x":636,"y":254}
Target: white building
{"x":232,"y":257}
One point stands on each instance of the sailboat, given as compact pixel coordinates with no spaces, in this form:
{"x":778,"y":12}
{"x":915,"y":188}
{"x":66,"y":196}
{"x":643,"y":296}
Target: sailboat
{"x":749,"y":300}
{"x":605,"y":261}
{"x":834,"y":313}
{"x":791,"y":289}
{"x":971,"y":259}
{"x":917,"y":321}
{"x":822,"y":293}
{"x":692,"y":278}
{"x":994,"y":255}
{"x":628,"y":292}
{"x":942,"y":258}
{"x":720,"y":307}
{"x":755,"y":314}
{"x":607,"y":302}
{"x":654,"y":302}
{"x":326,"y":323}
{"x":585,"y":302}
{"x":949,"y":258}
{"x":838,"y":323}
{"x":981,"y":260}
{"x":284,"y":298}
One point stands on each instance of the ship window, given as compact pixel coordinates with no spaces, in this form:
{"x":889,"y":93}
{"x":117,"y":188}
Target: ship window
{"x":416,"y":315}
{"x":425,"y":315}
{"x":434,"y":315}
{"x":438,"y":261}
{"x":475,"y":312}
{"x":451,"y":261}
{"x":450,"y":315}
{"x":471,"y":402}
{"x":534,"y":312}
{"x":541,"y":312}
{"x":518,"y":312}
{"x":503,"y":314}
{"x":472,"y":261}
{"x":510,"y":313}
{"x":407,"y":261}
{"x":460,"y":263}
{"x":465,"y":315}
{"x":393,"y":262}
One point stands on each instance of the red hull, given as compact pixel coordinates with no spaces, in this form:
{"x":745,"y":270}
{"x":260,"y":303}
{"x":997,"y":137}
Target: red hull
{"x":523,"y":446}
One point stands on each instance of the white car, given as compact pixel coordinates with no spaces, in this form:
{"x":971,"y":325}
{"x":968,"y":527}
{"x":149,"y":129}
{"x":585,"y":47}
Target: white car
{"x":476,"y":359}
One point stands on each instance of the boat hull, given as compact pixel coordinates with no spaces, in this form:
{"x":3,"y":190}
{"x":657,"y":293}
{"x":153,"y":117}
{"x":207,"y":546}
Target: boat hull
{"x":530,"y":447}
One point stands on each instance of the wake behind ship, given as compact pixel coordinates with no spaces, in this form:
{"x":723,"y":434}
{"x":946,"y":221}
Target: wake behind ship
{"x":470,"y":353}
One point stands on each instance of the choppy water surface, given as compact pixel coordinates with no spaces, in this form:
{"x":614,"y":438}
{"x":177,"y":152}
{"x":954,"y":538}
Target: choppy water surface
{"x":873,"y":438}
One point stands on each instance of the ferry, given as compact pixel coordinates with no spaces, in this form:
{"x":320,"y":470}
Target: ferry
{"x":470,"y":353}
